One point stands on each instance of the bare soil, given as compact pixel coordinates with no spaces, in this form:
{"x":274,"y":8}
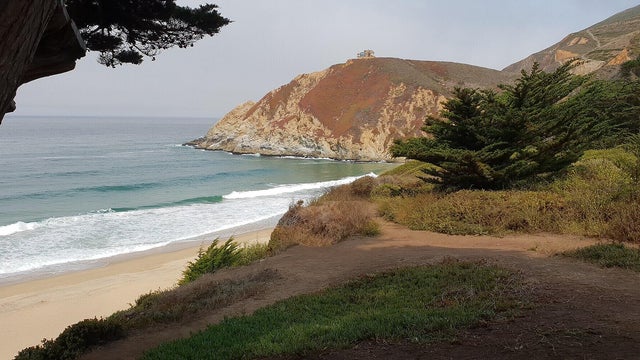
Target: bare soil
{"x":579,"y":311}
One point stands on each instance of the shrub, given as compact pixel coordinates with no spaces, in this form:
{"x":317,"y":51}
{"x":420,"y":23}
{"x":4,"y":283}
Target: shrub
{"x":593,"y":188}
{"x":327,"y":220}
{"x":363,"y":186}
{"x":251,"y":253}
{"x":75,"y":340}
{"x":210,"y":260}
{"x":624,"y":223}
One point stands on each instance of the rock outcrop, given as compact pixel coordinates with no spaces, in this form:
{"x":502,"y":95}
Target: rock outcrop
{"x":351,"y":111}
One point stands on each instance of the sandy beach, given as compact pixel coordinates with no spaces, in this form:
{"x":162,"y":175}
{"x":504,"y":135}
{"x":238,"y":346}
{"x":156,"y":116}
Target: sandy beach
{"x":37,"y":309}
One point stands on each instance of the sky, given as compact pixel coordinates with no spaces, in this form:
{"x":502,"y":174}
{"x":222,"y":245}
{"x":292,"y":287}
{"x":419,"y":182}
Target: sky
{"x":271,"y":42}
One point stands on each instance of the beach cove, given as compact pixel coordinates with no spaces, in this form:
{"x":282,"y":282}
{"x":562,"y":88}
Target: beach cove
{"x":44,"y":307}
{"x":101,"y":212}
{"x":95,"y":188}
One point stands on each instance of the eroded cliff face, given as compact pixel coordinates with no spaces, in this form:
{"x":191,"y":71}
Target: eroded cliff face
{"x":351,"y":111}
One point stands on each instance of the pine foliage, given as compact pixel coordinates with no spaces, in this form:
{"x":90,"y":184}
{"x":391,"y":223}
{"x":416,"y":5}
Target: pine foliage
{"x":526,"y":132}
{"x":126,"y":31}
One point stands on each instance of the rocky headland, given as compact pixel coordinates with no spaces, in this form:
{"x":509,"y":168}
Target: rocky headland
{"x":350,"y":111}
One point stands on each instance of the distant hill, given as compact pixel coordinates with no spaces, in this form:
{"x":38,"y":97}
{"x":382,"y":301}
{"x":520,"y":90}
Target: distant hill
{"x":357,"y":109}
{"x":349,"y":111}
{"x":602,"y":47}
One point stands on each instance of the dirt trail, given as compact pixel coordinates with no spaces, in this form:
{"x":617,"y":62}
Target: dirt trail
{"x":580,"y":311}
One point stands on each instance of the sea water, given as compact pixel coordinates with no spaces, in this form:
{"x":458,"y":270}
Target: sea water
{"x":75,"y":190}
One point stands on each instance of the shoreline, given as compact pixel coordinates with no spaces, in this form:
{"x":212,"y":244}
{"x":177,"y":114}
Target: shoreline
{"x":32,"y":309}
{"x":51,"y":271}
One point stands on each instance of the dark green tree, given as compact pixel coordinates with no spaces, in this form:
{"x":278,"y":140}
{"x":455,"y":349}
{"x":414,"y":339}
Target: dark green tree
{"x":125,"y":31}
{"x":527,"y":131}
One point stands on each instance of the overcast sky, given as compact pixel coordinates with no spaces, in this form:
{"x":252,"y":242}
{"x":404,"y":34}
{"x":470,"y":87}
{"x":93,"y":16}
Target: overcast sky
{"x":270,"y":42}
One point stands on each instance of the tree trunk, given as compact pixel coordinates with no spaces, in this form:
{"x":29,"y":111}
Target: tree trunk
{"x":22,"y":24}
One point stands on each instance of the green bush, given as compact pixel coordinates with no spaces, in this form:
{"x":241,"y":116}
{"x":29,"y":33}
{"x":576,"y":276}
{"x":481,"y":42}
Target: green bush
{"x":212,"y":259}
{"x":251,"y":253}
{"x":75,"y":340}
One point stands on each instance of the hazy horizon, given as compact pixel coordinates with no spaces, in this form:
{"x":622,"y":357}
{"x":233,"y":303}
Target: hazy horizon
{"x":269,"y":43}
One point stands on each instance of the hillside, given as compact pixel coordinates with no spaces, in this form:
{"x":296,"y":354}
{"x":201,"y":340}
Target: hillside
{"x":349,"y":111}
{"x":602,"y":46}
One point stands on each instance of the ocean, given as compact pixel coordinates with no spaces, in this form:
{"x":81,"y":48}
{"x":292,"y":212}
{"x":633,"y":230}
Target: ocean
{"x":75,"y":191}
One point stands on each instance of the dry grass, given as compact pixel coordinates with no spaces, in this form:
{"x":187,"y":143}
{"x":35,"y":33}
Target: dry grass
{"x":189,"y":300}
{"x":342,"y":212}
{"x":625,"y":222}
{"x":599,"y":196}
{"x":476,"y":212}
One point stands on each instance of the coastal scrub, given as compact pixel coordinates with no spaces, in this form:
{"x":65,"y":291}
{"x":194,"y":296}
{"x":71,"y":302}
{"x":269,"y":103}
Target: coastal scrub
{"x":342,"y":212}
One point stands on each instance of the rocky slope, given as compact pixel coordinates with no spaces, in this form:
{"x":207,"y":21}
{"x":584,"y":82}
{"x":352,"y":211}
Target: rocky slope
{"x":356,"y":110}
{"x":350,"y":111}
{"x":601,"y":47}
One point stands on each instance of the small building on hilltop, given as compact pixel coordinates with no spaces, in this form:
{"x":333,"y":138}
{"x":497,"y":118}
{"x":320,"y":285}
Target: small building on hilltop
{"x":366,"y":54}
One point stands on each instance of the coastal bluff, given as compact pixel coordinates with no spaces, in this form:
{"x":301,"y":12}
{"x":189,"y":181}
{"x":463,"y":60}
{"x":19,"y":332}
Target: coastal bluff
{"x":350,"y":111}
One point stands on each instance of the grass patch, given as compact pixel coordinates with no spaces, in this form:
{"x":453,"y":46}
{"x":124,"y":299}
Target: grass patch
{"x":419,"y":304}
{"x":409,"y":168}
{"x":608,"y":255}
{"x":186,"y":301}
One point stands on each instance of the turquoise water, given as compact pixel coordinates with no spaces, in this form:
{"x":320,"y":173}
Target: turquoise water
{"x":76,"y":190}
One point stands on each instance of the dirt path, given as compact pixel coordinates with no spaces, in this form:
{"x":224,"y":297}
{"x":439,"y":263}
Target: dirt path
{"x":580,"y":312}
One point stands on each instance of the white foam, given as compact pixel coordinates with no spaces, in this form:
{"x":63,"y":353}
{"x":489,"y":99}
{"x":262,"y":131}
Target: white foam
{"x":17,"y":227}
{"x":63,"y":242}
{"x":292,"y":188}
{"x":98,"y":235}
